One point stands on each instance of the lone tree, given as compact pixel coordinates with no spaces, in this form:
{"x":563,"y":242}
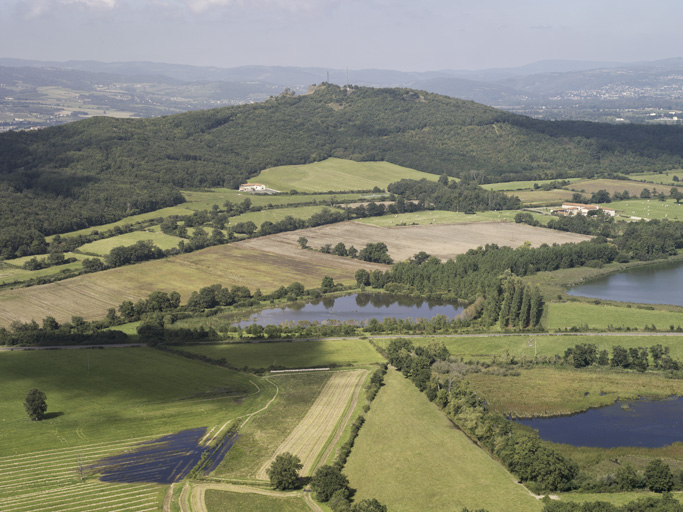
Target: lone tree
{"x":284,"y":471}
{"x":35,"y":404}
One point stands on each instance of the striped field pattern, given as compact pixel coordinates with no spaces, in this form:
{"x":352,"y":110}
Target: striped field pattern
{"x":51,"y":481}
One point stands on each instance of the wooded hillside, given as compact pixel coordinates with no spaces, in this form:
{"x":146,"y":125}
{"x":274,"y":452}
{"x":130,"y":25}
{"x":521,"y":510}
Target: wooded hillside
{"x":102,"y":169}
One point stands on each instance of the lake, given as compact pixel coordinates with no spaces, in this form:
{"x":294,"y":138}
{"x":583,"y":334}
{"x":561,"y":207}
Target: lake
{"x":646,"y":423}
{"x":358,"y":307}
{"x":653,"y":284}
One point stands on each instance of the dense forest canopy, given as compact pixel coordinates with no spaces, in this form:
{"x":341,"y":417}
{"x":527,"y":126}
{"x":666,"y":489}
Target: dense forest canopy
{"x":102,"y":169}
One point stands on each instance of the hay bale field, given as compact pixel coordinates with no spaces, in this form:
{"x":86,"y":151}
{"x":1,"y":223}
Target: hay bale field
{"x":256,"y":263}
{"x":441,"y":240}
{"x":310,"y":436}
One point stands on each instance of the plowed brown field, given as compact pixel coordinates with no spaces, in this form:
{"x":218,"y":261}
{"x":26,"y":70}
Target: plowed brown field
{"x":441,"y":240}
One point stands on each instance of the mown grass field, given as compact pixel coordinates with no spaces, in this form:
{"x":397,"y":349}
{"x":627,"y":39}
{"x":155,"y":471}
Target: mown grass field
{"x":543,"y":197}
{"x":411,"y":458}
{"x":222,"y":501}
{"x":649,"y":208}
{"x":126,"y":393}
{"x":562,"y":315}
{"x":295,"y":354}
{"x":266,"y":431}
{"x":444,"y":217}
{"x":102,"y":403}
{"x":104,"y":246}
{"x":265,"y":263}
{"x":337,"y":174}
{"x":588,"y":187}
{"x":276,"y":215}
{"x":547,"y":391}
{"x":485,"y":347}
{"x":326,"y":417}
{"x":521,"y":185}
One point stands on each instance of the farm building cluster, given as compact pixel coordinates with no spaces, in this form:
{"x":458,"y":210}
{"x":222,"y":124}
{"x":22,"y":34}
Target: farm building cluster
{"x":570,"y":209}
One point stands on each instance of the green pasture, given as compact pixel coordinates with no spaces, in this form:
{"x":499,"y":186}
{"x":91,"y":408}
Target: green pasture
{"x":445,"y":217}
{"x":224,"y":501}
{"x":181,"y":209}
{"x":600,"y":316}
{"x":259,"y":438}
{"x":294,"y":354}
{"x":108,"y":395}
{"x":521,"y":185}
{"x":665,"y":178}
{"x":649,"y":208}
{"x":277,"y":214}
{"x":410,"y":457}
{"x":337,"y":174}
{"x":485,"y":347}
{"x":13,"y":274}
{"x":548,"y":391}
{"x":104,"y":246}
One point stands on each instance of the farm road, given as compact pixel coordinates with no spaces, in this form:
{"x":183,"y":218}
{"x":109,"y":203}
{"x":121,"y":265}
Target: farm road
{"x":196,"y":495}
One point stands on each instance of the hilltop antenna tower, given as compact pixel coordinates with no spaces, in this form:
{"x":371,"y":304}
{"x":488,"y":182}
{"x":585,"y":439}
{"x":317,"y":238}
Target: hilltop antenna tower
{"x":347,"y":77}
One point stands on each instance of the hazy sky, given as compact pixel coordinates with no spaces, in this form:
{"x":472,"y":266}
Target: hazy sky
{"x":415,"y":35}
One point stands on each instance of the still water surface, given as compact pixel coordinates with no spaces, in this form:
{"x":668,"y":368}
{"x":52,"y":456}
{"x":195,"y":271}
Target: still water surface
{"x":654,"y":284}
{"x":647,"y":423}
{"x":359,"y":307}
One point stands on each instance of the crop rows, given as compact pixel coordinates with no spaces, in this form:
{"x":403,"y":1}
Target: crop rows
{"x":309,"y":437}
{"x":87,"y":497}
{"x":51,"y":480}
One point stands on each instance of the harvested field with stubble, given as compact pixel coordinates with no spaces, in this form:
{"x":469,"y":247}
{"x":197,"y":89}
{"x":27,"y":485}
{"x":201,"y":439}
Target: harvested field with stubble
{"x":265,"y":263}
{"x":324,"y":418}
{"x":441,"y":240}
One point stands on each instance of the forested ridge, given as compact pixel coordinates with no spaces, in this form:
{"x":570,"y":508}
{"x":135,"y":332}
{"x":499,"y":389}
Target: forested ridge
{"x":102,"y":169}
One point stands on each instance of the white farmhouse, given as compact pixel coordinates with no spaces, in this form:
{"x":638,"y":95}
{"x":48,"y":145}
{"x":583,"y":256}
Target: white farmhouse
{"x":252,"y":187}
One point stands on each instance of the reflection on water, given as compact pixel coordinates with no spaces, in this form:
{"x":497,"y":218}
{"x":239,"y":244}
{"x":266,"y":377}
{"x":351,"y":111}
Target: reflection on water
{"x":654,"y":284}
{"x":356,"y":308}
{"x":646,"y":423}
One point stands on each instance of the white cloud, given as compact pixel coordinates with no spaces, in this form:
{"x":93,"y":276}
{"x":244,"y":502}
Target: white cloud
{"x":200,"y":6}
{"x":37,"y":8}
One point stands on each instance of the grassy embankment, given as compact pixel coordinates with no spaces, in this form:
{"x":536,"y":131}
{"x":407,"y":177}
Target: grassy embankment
{"x":337,"y":174}
{"x":411,"y":458}
{"x":295,"y":354}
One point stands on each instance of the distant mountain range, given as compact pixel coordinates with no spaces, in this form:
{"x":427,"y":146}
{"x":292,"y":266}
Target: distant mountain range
{"x":40,"y":93}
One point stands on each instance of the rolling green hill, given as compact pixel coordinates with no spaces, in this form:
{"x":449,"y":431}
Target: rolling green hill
{"x":98,"y":170}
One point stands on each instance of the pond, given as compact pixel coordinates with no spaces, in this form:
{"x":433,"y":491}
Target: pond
{"x":653,"y":284}
{"x":645,"y":423}
{"x":358,"y":307}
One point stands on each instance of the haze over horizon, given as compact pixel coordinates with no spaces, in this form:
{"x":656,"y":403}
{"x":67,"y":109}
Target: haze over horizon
{"x":358,"y":34}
